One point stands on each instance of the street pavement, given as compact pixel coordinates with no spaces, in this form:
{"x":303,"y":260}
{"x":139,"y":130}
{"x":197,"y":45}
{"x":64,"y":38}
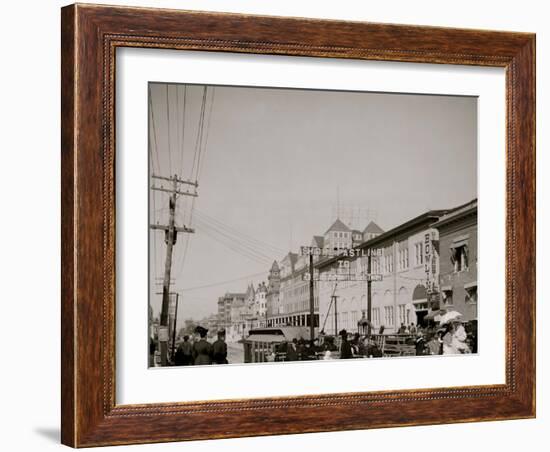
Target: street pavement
{"x":235,"y":353}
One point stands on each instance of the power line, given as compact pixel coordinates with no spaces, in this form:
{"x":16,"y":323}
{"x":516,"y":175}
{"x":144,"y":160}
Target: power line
{"x":198,"y":140}
{"x":183,"y":128}
{"x":154,"y":129}
{"x":206,"y":286}
{"x":199,"y":165}
{"x":230,"y":243}
{"x":236,"y":239}
{"x":168,"y":134}
{"x":260,"y":243}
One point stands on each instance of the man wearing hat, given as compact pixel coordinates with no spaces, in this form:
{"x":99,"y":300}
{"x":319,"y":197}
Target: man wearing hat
{"x":345,"y":347}
{"x":219,"y":349}
{"x":202,"y":349}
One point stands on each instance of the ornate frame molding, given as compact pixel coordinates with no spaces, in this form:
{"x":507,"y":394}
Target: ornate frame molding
{"x":90,"y":37}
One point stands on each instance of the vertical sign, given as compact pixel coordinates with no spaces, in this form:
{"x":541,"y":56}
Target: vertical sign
{"x":428,"y":260}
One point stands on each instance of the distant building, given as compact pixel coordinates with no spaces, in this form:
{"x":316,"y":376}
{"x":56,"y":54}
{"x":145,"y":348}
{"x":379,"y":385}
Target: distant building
{"x":356,"y":237}
{"x":224,"y":308}
{"x":273,"y":288}
{"x":458,"y":260}
{"x":260,"y":307}
{"x":371,"y":231}
{"x":239,"y":314}
{"x":338,"y":236}
{"x":291,"y":307}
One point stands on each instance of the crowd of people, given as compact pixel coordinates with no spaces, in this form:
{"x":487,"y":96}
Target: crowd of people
{"x":451,"y":338}
{"x":197,"y":351}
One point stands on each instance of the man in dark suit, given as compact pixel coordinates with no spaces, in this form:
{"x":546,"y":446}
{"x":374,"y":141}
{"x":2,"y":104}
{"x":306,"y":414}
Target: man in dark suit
{"x":219,"y":349}
{"x":345,"y":347}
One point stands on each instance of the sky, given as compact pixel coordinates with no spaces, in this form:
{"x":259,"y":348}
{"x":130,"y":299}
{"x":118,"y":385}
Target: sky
{"x":274,"y":166}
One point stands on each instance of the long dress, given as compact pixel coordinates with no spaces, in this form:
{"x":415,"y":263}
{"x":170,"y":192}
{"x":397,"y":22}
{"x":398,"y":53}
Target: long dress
{"x":202,"y":350}
{"x":449,"y":346}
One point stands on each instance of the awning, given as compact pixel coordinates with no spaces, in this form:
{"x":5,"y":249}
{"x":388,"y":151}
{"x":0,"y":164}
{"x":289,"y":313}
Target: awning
{"x":458,"y":244}
{"x":266,"y":338}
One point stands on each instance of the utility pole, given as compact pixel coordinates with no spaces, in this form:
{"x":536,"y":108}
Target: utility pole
{"x":369,"y":293}
{"x":311,"y":300}
{"x":175,"y":326}
{"x":335,"y":301}
{"x":170,"y":237}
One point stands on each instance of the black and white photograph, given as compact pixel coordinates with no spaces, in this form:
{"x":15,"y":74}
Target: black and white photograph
{"x":299,"y":225}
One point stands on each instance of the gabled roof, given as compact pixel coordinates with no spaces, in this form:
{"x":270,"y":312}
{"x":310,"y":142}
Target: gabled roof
{"x":318,"y":241}
{"x":250,"y":291}
{"x":291,"y":258}
{"x":338,"y":225}
{"x":373,"y":228}
{"x":420,"y":221}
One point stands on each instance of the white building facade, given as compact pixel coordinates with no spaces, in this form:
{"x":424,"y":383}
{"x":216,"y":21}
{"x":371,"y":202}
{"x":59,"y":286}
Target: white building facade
{"x":406,"y":257}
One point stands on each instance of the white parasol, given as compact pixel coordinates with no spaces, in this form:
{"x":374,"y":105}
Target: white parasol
{"x":449,"y":317}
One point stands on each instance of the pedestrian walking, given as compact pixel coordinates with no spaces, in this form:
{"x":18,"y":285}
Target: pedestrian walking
{"x":291,"y":354}
{"x":420,"y":344}
{"x":202,"y":349}
{"x":219,"y":349}
{"x":345,"y":347}
{"x":434,"y":345}
{"x":184,"y":353}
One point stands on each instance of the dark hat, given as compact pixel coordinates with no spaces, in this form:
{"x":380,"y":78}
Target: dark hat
{"x":201,"y":330}
{"x":221,"y":332}
{"x":343,"y":333}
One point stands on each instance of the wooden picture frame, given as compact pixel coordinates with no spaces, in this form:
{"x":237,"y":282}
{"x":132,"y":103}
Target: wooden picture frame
{"x":90,"y":36}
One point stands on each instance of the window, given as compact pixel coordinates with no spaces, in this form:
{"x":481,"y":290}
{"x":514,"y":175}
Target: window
{"x":402,"y":314}
{"x":447,"y":296}
{"x":376,"y":316}
{"x":388,"y":261}
{"x":403,"y":257}
{"x":376,"y":263}
{"x":418,"y":255}
{"x":471,"y":294}
{"x":344,"y":320}
{"x":388,"y":315}
{"x":352,"y":322}
{"x":459,"y":258}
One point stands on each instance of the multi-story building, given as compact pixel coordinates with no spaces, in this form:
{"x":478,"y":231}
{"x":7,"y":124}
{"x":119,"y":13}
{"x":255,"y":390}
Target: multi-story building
{"x":458,"y":260}
{"x":273,"y":288}
{"x":250,"y":298}
{"x":224,"y":308}
{"x":292,"y":305}
{"x":407,"y":259}
{"x":260,"y":307}
{"x":338,"y":236}
{"x":371,"y":231}
{"x":239,"y":314}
